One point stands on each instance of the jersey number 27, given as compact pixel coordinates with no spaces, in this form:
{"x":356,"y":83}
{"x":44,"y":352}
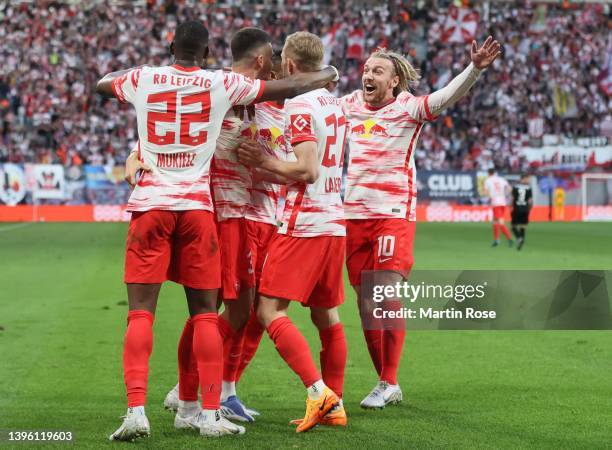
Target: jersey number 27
{"x":329,"y":158}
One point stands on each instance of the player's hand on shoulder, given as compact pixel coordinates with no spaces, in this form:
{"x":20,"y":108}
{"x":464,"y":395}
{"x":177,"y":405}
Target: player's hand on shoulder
{"x":484,"y":56}
{"x":250,"y":153}
{"x":331,"y":86}
{"x":132,"y":166}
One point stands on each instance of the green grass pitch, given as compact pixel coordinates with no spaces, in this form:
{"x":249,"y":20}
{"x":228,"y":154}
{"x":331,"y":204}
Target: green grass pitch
{"x":62,"y":319}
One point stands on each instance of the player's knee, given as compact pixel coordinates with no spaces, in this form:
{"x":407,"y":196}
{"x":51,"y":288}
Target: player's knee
{"x":238,"y":317}
{"x":201,"y":301}
{"x":323,"y":318}
{"x":264,"y":314}
{"x":268,"y":310}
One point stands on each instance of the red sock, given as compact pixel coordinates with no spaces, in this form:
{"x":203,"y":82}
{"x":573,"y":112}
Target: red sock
{"x":137,"y":348}
{"x":374,"y":341}
{"x":496,"y":231}
{"x":188,"y":368}
{"x":293,"y":348}
{"x":208,"y":350}
{"x":225,"y":329}
{"x":232,"y":352}
{"x":333,"y":357}
{"x":253,"y":332}
{"x":393,"y":342}
{"x":232,"y":348}
{"x":504,"y":229}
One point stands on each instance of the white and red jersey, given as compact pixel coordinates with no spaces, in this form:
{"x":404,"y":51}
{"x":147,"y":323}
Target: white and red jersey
{"x":496,"y":189}
{"x":179,"y":112}
{"x":270,"y":121}
{"x":231,"y":180}
{"x":316,"y":209}
{"x":381,"y":179}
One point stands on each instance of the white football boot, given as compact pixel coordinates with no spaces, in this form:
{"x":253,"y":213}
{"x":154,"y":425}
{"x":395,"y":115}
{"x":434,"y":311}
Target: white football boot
{"x":171,"y":401}
{"x":374,"y":400}
{"x":187,"y":418}
{"x":392,"y":395}
{"x":382,"y":395}
{"x":252,"y":412}
{"x":135,"y":425}
{"x":213,"y":424}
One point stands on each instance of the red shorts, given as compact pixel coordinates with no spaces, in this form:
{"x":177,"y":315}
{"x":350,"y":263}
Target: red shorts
{"x":379,"y":244}
{"x":236,"y":263}
{"x":308,"y":270}
{"x":260,"y":234}
{"x":499,"y":212}
{"x":180,"y":246}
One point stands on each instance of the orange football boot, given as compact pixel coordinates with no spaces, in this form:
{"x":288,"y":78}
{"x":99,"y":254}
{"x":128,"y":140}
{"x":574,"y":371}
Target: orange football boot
{"x":317,"y":409}
{"x":336,"y":417}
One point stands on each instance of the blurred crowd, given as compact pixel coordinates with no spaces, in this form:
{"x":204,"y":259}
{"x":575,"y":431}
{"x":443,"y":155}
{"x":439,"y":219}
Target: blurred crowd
{"x":547,"y":81}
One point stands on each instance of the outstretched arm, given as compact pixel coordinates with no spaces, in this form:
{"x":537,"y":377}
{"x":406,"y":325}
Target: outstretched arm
{"x":459,"y":86}
{"x":126,"y":90}
{"x":104,"y":86}
{"x":298,"y":84}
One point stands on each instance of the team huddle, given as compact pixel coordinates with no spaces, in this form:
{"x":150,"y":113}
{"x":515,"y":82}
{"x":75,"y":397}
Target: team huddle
{"x":216,"y":151}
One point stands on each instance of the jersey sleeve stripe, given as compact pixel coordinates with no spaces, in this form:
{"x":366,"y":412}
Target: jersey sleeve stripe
{"x":260,"y":92}
{"x":226,"y":82}
{"x":117,"y":91}
{"x":428,"y":115}
{"x":296,"y":209}
{"x":135,"y":77}
{"x":299,"y":139}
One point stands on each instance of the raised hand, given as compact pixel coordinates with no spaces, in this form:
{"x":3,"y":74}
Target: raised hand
{"x":484,"y":56}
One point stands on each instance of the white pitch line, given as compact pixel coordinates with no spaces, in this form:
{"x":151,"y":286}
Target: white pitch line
{"x":16,"y":226}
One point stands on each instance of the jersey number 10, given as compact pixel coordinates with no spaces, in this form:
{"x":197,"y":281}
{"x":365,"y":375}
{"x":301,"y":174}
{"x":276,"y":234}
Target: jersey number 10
{"x":185,"y":119}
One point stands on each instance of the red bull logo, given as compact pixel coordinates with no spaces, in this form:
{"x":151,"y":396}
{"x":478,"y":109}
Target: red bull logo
{"x":274,"y":136}
{"x":250,"y":132}
{"x":369,"y":128}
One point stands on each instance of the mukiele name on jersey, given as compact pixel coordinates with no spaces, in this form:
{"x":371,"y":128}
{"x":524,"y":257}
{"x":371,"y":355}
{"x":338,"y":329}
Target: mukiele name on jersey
{"x":175,"y":160}
{"x":174,"y":80}
{"x":332,"y":184}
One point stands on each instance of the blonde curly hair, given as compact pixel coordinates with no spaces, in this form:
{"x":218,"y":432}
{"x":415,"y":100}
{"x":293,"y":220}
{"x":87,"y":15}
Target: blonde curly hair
{"x":407,"y":74}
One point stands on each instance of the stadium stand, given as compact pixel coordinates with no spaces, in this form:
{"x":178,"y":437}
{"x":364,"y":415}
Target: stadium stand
{"x":551,"y":78}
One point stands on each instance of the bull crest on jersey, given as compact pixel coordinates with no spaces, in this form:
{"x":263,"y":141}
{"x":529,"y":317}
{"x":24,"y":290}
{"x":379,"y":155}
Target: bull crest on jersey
{"x":274,"y":136}
{"x":369,"y":128}
{"x":250,"y":132}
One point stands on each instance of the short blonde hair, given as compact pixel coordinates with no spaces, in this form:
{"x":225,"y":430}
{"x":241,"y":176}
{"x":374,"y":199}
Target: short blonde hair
{"x":305,"y":49}
{"x":403,"y":69}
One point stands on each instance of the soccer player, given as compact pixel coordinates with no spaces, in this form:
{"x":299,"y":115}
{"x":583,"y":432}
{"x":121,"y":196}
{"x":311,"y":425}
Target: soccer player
{"x":172,"y":236}
{"x":497,"y":189}
{"x":252,"y":57}
{"x":380,"y":199}
{"x":305,"y":258}
{"x":522,"y":201}
{"x":261,"y":211}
